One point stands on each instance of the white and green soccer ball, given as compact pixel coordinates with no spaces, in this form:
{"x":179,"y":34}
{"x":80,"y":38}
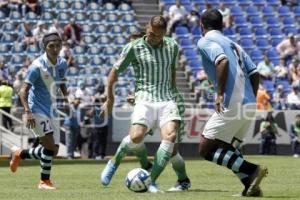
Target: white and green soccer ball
{"x":138,"y":180}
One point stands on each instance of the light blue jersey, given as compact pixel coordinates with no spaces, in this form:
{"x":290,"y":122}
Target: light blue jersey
{"x":214,"y":47}
{"x":44,"y":79}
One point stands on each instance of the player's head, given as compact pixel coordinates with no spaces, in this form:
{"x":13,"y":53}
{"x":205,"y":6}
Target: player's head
{"x":136,"y":35}
{"x":52,"y":44}
{"x":156,"y":30}
{"x":211,"y":19}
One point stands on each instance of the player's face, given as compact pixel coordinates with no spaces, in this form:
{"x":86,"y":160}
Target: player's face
{"x":155,"y":35}
{"x":53,"y":48}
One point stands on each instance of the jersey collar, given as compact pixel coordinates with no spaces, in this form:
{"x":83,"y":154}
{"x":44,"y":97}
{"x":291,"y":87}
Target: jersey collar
{"x":48,"y":62}
{"x":211,"y":32}
{"x":161,"y":45}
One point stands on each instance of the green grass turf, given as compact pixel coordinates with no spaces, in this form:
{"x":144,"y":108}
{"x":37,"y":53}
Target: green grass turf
{"x":79,"y":179}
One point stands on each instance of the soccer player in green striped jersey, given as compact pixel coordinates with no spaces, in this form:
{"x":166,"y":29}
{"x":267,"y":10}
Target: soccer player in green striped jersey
{"x":153,"y":58}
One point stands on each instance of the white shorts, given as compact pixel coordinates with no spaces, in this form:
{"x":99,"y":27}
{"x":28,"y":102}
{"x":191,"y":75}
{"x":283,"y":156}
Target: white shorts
{"x":232,"y":124}
{"x":155,"y":114}
{"x":45,"y":125}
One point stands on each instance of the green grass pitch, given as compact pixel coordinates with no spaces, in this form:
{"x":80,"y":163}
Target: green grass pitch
{"x":79,"y":179}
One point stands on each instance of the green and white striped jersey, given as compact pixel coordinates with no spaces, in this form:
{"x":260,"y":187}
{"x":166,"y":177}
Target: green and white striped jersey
{"x":153,"y":68}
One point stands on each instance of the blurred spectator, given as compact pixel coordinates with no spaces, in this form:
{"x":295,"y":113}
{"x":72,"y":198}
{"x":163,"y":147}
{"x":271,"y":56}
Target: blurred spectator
{"x":293,"y":98}
{"x":295,"y":136}
{"x":66,"y":53}
{"x":193,"y":19}
{"x":17,"y":86}
{"x":39,"y":31}
{"x":72,"y":33}
{"x":177,"y":16}
{"x":281,"y":71}
{"x":289,"y":2}
{"x":262,"y":99}
{"x":4,"y":73}
{"x":55,"y":27}
{"x":99,"y":130}
{"x":265,"y":68}
{"x":117,"y":2}
{"x":72,"y":127}
{"x":84,"y":94}
{"x":208,"y":6}
{"x":288,"y":48}
{"x":268,"y":130}
{"x":225,"y":13}
{"x":6,"y":102}
{"x":279,"y":98}
{"x":293,"y":70}
{"x":32,"y":6}
{"x":15,"y":5}
{"x":23,"y":71}
{"x":26,"y":34}
{"x":4,"y":7}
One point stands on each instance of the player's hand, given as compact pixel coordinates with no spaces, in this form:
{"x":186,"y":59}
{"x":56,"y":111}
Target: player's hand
{"x":107,"y":108}
{"x":219,"y":104}
{"x":29,"y":119}
{"x":130,"y":99}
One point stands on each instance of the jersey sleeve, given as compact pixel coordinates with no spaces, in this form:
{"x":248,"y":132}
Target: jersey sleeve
{"x":125,"y":59}
{"x":32,"y":75}
{"x":175,"y":56}
{"x":249,"y":65}
{"x":211,"y":51}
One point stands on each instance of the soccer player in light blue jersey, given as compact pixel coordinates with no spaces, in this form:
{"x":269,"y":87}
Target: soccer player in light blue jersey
{"x":236,"y":81}
{"x":38,"y":96}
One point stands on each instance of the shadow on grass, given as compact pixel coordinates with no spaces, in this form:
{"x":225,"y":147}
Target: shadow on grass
{"x":281,"y":197}
{"x":205,"y":190}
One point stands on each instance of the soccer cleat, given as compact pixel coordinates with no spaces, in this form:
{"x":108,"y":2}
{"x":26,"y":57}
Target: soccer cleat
{"x":46,"y":184}
{"x":153,"y":188}
{"x":108,"y":173}
{"x":16,"y":159}
{"x":183,"y":185}
{"x":254,"y":189}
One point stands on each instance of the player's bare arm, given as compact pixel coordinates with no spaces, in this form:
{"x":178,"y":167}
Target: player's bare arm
{"x":64,"y":90}
{"x":222,"y":71}
{"x":255,"y":82}
{"x":30,"y":122}
{"x":108,"y":105}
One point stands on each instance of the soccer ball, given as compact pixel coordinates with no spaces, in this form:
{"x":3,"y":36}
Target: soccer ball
{"x":138,"y":180}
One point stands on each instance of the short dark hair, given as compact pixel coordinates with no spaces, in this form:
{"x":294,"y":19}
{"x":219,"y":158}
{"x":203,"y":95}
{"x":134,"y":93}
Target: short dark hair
{"x":212,"y":19}
{"x":48,"y":37}
{"x":158,"y":22}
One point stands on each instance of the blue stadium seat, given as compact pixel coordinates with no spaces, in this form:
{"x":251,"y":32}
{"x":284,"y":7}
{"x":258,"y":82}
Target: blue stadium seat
{"x":4,"y":49}
{"x":289,"y":22}
{"x":47,"y":17}
{"x":297,"y":11}
{"x":166,"y":3}
{"x":101,"y":30}
{"x":262,"y":44}
{"x":81,"y":60}
{"x":15,"y":16}
{"x":273,"y":55}
{"x":195,"y":64}
{"x":62,"y":6}
{"x":185,"y":2}
{"x":89,"y":39}
{"x":110,"y":61}
{"x":229,"y":31}
{"x":120,"y":41}
{"x":8,"y":27}
{"x":181,"y":32}
{"x":240,"y":22}
{"x":63,"y":17}
{"x":259,"y":2}
{"x":93,"y":51}
{"x":268,"y":11}
{"x":111,"y":19}
{"x":269,"y":86}
{"x":87,"y":29}
{"x":244,"y":3}
{"x":93,"y":8}
{"x":229,"y":2}
{"x":284,"y":11}
{"x":198,"y":2}
{"x":124,"y":8}
{"x":17,"y":60}
{"x":33,"y":50}
{"x":275,"y":41}
{"x":273,"y":22}
{"x":31,"y":17}
{"x":47,"y":6}
{"x":8,"y":38}
{"x":103,"y":41}
{"x":108,"y":8}
{"x":78,"y":50}
{"x":128,"y":19}
{"x":256,"y":55}
{"x":214,"y":3}
{"x":261,"y":32}
{"x":186,"y":43}
{"x":285,"y":84}
{"x":252,"y":11}
{"x":237,"y":11}
{"x":188,"y":8}
{"x":247,"y":44}
{"x":17,"y":48}
{"x":72,"y":71}
{"x":131,"y":29}
{"x":116,"y":30}
{"x":95,"y":18}
{"x":273,"y":2}
{"x":245,"y":32}
{"x":256,"y":21}
{"x":80,"y":18}
{"x":288,"y":30}
{"x":276,"y":33}
{"x":190,"y":54}
{"x":2,"y":17}
{"x":96,"y":61}
{"x":78,"y":6}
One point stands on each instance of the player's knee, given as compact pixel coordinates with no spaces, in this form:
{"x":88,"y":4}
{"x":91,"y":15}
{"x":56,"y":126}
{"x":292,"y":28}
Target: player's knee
{"x":55,"y":152}
{"x":137,"y":137}
{"x":170,"y":136}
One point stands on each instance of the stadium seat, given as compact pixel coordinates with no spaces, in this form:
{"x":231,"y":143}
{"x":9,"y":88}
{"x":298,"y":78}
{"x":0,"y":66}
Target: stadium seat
{"x":285,"y":84}
{"x":214,"y":3}
{"x":256,"y":22}
{"x":109,"y":51}
{"x":195,"y":64}
{"x":198,"y":2}
{"x":111,"y":19}
{"x":8,"y":27}
{"x":273,"y":2}
{"x":289,"y":22}
{"x":229,"y":3}
{"x":236,"y":11}
{"x":15,"y":16}
{"x":247,"y":44}
{"x":47,"y":6}
{"x":276,"y":33}
{"x":269,"y":86}
{"x":244,"y":3}
{"x":101,"y":30}
{"x":116,"y":30}
{"x":188,"y":8}
{"x":95,"y":18}
{"x":128,"y":19}
{"x":124,"y":8}
{"x":93,"y":51}
{"x":256,"y":55}
{"x":33,"y":50}
{"x":262,"y":44}
{"x":292,"y":30}
{"x":108,"y":8}
{"x":273,"y":55}
{"x":252,"y":11}
{"x":275,"y":41}
{"x":110,"y":61}
{"x":80,"y":18}
{"x":268,"y":11}
{"x":89,"y":39}
{"x":240,"y":21}
{"x":63,"y":17}
{"x":31,"y":17}
{"x":284,"y":11}
{"x":190,"y":54}
{"x":273,"y":22}
{"x":78,"y":6}
{"x":2,"y":17}
{"x":261,"y":32}
{"x":229,"y":31}
{"x":78,"y":50}
{"x":196,"y":32}
{"x":17,"y":48}
{"x":87,"y":29}
{"x":120,"y":41}
{"x":93,"y":8}
{"x":17,"y":60}
{"x":8,"y":38}
{"x":186,"y":43}
{"x":96,"y":61}
{"x":103,"y":41}
{"x":4,"y":49}
{"x":81,"y":60}
{"x":181,"y":32}
{"x":131,"y":29}
{"x":47,"y":17}
{"x":62,"y":6}
{"x":297,"y":11}
{"x":72,"y":71}
{"x":245,"y":32}
{"x":259,"y":3}
{"x":185,"y":2}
